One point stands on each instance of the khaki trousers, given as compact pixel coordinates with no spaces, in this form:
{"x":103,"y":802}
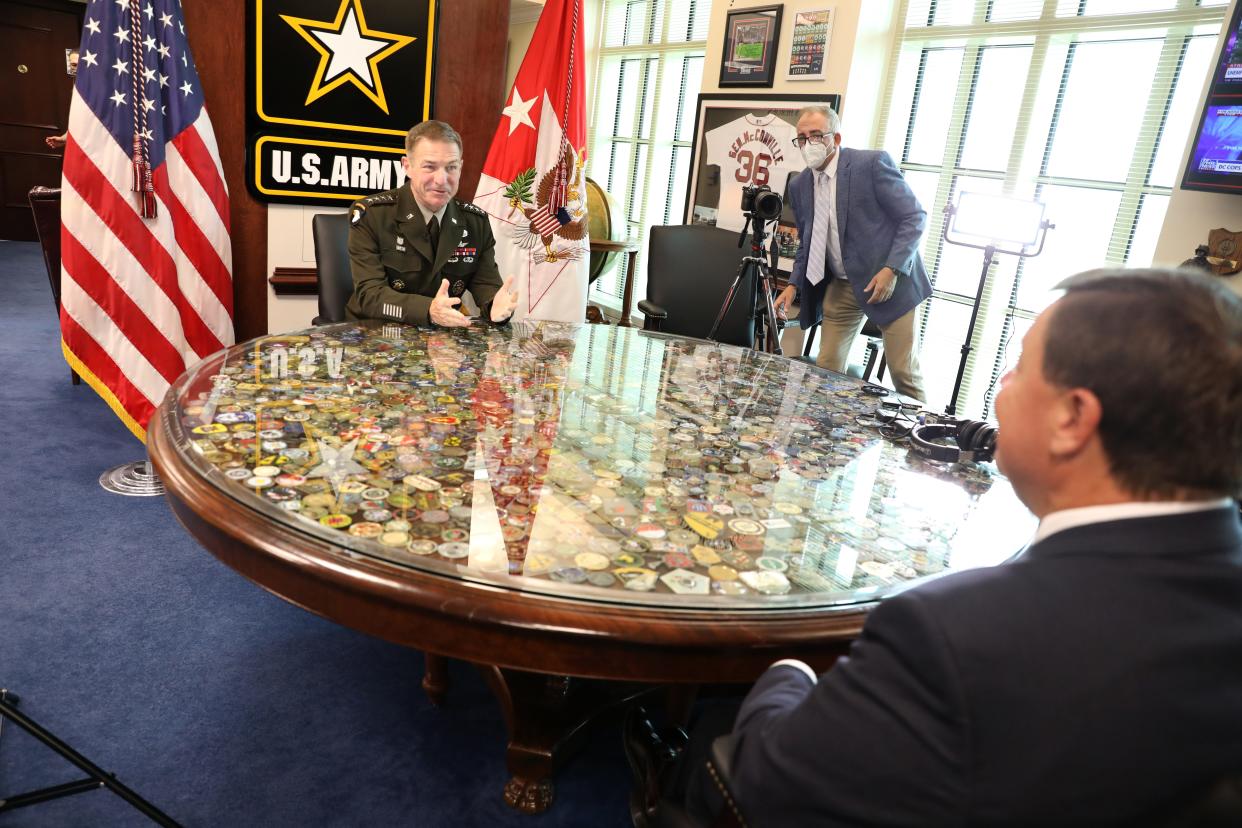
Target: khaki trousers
{"x":843,"y":319}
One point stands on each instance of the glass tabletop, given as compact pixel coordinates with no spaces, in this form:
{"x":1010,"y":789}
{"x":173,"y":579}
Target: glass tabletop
{"x":586,"y":462}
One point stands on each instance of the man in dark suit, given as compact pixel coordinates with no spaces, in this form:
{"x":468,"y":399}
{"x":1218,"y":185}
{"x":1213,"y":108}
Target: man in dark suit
{"x":1098,"y":677}
{"x":860,"y":227}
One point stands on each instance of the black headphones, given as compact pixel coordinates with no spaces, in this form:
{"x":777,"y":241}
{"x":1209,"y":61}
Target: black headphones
{"x":975,"y":439}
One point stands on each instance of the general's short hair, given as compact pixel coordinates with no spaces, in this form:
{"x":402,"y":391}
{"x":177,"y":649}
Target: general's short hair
{"x":431,"y":131}
{"x":834,"y":120}
{"x":1162,"y":351}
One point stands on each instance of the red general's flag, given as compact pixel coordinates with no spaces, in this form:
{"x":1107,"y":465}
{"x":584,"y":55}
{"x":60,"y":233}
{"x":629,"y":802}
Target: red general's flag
{"x":534,"y":180}
{"x":146,"y":264}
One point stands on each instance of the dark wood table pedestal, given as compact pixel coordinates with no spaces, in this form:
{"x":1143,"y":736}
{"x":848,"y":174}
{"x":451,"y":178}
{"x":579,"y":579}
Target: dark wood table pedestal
{"x":630,"y":248}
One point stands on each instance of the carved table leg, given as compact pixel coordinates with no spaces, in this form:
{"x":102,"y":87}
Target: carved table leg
{"x":435,"y":677}
{"x":546,"y":717}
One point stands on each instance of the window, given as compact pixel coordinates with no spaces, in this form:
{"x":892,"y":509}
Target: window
{"x":1084,"y":105}
{"x":649,"y":72}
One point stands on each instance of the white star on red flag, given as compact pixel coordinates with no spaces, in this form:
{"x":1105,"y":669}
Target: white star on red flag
{"x":518,"y":111}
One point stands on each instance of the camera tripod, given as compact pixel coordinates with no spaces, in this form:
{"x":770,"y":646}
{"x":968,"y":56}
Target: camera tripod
{"x":762,"y":313}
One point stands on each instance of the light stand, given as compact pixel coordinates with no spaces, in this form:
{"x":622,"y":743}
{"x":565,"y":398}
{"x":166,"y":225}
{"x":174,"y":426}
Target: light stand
{"x":95,"y":779}
{"x":996,"y":221}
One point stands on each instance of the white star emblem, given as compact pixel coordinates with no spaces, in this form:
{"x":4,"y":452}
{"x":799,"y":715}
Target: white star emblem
{"x":181,"y":26}
{"x":518,"y":111}
{"x":148,"y":74}
{"x":164,"y":51}
{"x":185,"y":60}
{"x":336,"y":464}
{"x":166,"y":19}
{"x":163,"y":110}
{"x":124,"y":4}
{"x":350,"y":50}
{"x":146,"y":135}
{"x":118,"y":98}
{"x":121,"y":34}
{"x":89,"y":58}
{"x":149,"y":43}
{"x":93,"y":25}
{"x":120,"y":67}
{"x":186,"y":88}
{"x":148,"y":11}
{"x":148,"y":104}
{"x":163,"y":81}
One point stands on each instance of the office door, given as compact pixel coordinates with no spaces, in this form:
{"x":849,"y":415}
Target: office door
{"x":36,"y":90}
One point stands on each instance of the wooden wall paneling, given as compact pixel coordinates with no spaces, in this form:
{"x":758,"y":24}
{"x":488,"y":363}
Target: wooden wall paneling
{"x":470,"y":77}
{"x":217,"y":32}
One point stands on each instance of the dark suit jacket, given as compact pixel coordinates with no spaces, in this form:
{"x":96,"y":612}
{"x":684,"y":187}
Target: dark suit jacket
{"x":1095,"y":679}
{"x":880,"y":223}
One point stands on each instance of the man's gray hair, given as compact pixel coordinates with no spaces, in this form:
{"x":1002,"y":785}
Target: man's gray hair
{"x":834,"y":120}
{"x":431,"y":131}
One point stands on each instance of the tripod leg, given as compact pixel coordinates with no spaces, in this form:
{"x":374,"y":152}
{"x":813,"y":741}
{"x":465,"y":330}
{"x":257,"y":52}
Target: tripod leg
{"x":773,"y":329}
{"x":728,"y":301}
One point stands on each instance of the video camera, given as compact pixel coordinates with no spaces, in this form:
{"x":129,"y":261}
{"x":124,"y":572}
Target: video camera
{"x":759,"y":201}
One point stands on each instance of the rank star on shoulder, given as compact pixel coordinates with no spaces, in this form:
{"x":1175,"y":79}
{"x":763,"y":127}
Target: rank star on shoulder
{"x":518,"y":111}
{"x":349,"y":51}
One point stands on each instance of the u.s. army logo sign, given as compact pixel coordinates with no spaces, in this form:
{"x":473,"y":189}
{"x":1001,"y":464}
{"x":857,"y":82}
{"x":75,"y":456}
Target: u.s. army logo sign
{"x":335,"y":86}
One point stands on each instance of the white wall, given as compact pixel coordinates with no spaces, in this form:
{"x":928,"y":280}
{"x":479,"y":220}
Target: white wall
{"x":1192,"y":213}
{"x":290,"y":244}
{"x":857,"y":58}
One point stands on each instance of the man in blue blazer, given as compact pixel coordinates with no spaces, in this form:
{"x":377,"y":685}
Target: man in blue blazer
{"x":860,"y":227}
{"x":1095,"y":680}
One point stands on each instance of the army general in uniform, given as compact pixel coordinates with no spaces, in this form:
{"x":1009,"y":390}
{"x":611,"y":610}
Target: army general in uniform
{"x":415,"y":250}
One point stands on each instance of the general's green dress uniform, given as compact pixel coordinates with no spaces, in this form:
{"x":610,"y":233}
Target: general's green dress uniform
{"x":396,"y":273}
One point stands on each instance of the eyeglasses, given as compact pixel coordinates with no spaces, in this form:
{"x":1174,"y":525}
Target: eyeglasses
{"x":817,"y":138}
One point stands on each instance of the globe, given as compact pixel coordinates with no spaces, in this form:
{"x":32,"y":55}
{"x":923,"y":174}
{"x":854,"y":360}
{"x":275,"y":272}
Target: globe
{"x":605,"y":221}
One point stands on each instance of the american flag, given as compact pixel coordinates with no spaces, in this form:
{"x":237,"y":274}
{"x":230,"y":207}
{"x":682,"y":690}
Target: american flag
{"x":146,"y":264}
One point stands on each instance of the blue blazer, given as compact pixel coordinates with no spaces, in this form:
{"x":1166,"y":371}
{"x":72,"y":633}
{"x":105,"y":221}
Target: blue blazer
{"x":1093,"y":680}
{"x":880,"y":223}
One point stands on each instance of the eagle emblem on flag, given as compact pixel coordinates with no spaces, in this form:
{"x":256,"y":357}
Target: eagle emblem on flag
{"x":555,"y":208}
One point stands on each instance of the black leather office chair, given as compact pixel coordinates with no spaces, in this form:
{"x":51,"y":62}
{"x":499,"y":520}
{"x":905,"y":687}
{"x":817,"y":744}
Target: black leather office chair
{"x":336,"y":281}
{"x":689,"y":270}
{"x":45,"y":204}
{"x":719,"y":771}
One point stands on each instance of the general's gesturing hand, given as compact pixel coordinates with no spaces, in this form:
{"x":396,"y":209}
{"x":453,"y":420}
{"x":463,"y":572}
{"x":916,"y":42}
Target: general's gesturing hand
{"x":443,"y":311}
{"x":504,"y":301}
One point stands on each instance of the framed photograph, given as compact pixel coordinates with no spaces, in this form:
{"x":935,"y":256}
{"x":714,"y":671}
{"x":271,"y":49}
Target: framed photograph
{"x":808,"y":50}
{"x":749,"y":57}
{"x":742,"y":140}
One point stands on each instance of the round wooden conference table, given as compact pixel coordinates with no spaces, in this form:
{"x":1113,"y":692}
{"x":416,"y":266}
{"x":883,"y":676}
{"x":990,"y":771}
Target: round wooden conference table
{"x":582,"y":511}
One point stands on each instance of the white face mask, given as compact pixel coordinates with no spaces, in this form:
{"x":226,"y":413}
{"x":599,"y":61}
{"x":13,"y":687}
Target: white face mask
{"x":815,"y":155}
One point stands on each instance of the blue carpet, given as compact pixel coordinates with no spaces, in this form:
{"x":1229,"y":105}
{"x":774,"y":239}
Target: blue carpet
{"x":218,"y":702}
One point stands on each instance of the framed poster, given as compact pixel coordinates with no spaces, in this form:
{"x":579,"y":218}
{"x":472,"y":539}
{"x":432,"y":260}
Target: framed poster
{"x":742,"y":140}
{"x":749,"y":56}
{"x":808,"y":52}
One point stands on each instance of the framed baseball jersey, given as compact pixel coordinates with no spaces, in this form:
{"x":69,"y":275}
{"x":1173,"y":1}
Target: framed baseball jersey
{"x":741,"y":141}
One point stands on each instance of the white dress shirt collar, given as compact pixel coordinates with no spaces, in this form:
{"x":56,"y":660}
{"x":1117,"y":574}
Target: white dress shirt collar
{"x":1082,"y":516}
